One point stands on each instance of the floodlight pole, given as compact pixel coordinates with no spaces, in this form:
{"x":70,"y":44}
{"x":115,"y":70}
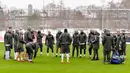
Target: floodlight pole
{"x":102,"y":15}
{"x":43,"y":4}
{"x":102,"y":19}
{"x":8,"y":18}
{"x":43,"y":15}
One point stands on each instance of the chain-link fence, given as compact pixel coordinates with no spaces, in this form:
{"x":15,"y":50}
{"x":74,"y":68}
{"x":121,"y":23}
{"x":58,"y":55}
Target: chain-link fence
{"x":53,"y":19}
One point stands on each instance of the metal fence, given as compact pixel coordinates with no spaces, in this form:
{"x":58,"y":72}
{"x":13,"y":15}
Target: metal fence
{"x":53,"y":19}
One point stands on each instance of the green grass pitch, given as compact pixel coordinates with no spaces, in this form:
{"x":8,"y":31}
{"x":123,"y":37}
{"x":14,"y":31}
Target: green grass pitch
{"x":44,"y":64}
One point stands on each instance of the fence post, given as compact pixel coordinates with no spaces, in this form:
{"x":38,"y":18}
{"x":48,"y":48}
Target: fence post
{"x":8,"y":18}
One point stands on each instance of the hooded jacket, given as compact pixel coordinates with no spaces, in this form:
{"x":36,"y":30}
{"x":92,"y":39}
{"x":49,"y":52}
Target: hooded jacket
{"x":107,"y":42}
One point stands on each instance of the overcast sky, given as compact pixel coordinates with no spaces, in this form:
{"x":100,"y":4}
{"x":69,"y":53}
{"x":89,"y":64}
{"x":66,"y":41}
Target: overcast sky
{"x":39,"y":3}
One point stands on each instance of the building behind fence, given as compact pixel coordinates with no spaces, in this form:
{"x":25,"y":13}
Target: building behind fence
{"x":65,"y":18}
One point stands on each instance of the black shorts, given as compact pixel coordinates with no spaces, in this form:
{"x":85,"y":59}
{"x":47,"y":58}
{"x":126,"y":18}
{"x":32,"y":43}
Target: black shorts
{"x":40,"y":45}
{"x":15,"y":48}
{"x":83,"y":46}
{"x":58,"y":45}
{"x":65,"y":49}
{"x":50,"y":46}
{"x":20,"y":50}
{"x":7,"y":48}
{"x":11,"y":46}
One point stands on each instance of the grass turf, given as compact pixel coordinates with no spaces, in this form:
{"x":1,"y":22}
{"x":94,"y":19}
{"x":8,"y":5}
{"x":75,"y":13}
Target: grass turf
{"x":44,"y":64}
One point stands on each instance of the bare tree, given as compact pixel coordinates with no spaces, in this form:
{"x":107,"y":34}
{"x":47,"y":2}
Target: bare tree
{"x":126,"y":3}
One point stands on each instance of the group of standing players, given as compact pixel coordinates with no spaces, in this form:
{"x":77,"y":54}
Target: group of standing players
{"x":17,"y":40}
{"x":79,"y":41}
